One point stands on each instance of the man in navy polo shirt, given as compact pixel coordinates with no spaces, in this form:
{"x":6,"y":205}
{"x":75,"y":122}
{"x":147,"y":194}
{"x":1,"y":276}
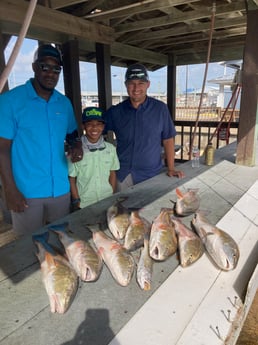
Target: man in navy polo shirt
{"x":141,"y":125}
{"x":35,"y":121}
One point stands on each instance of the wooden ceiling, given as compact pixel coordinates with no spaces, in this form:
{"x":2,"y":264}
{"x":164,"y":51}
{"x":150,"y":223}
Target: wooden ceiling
{"x":148,"y":31}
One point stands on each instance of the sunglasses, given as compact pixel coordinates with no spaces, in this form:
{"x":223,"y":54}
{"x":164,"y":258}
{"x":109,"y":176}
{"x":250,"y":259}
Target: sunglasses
{"x":45,"y":67}
{"x":96,"y":149}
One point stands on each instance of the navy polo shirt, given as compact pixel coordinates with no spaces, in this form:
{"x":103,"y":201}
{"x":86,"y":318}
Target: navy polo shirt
{"x":139,"y":134}
{"x":37,"y":129}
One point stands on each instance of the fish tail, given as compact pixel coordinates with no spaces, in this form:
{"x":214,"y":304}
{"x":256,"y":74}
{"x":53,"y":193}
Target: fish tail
{"x":43,"y":240}
{"x":179,"y":194}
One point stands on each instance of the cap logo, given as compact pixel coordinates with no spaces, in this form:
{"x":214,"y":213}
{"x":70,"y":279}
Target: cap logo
{"x":93,"y":112}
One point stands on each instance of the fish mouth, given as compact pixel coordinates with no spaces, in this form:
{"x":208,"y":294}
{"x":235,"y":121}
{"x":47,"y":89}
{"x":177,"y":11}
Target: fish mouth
{"x":156,"y":252}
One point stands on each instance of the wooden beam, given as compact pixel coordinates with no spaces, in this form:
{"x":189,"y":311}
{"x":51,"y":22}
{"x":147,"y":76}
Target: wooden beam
{"x":180,"y":18}
{"x":247,"y":131}
{"x":137,"y":54}
{"x":186,"y":29}
{"x":56,"y":21}
{"x":137,"y":7}
{"x":55,"y":4}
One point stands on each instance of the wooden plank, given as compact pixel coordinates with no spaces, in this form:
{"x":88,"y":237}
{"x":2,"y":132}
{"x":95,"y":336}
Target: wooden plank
{"x":56,"y":21}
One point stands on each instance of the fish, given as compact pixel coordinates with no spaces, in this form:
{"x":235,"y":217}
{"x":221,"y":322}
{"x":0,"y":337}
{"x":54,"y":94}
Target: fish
{"x":117,"y":259}
{"x":144,"y":266}
{"x":220,"y":246}
{"x":186,"y":203}
{"x":59,"y":278}
{"x":190,"y":245}
{"x":163,"y":240}
{"x":134,"y":236}
{"x":118,"y":219}
{"x":85,"y":260}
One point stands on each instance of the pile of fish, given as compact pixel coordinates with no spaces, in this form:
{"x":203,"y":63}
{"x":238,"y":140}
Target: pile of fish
{"x":61,"y":271}
{"x":129,"y":232}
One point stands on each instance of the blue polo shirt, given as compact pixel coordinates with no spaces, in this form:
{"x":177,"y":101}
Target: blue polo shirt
{"x":139,"y":134}
{"x":38,"y":129}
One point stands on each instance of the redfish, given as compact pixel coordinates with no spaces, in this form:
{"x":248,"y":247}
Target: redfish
{"x":138,"y":227}
{"x":118,"y":219}
{"x":187,"y":203}
{"x":189,"y":244}
{"x":221,"y":247}
{"x":118,"y":260}
{"x":144,"y":266}
{"x":84,"y":259}
{"x":59,"y":278}
{"x":163,"y":240}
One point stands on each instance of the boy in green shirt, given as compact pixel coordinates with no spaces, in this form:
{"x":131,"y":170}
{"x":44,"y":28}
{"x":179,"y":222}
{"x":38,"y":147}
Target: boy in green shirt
{"x":93,"y":178}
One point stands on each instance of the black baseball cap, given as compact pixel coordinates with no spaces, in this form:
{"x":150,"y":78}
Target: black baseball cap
{"x":92,"y":113}
{"x":47,"y":50}
{"x":136,"y":72}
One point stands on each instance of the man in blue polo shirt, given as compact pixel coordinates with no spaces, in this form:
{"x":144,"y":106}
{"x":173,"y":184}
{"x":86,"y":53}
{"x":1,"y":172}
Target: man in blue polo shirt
{"x":141,"y":125}
{"x":35,"y":121}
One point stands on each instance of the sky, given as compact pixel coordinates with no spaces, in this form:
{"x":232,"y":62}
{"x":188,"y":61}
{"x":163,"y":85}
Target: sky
{"x":190,"y":77}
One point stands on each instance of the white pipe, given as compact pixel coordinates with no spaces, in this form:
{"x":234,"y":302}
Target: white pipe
{"x":18,"y":43}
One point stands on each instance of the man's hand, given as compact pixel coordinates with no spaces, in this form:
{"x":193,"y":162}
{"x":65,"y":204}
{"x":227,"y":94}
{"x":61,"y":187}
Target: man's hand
{"x":15,"y":201}
{"x":76,"y":152}
{"x":177,"y":173}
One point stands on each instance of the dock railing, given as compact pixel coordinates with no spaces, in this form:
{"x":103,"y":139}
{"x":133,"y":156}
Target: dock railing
{"x":204,"y":131}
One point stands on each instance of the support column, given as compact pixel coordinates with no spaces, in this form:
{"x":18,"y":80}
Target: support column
{"x":171,"y":86}
{"x":103,"y":59}
{"x":4,"y":39}
{"x":247,"y":131}
{"x":72,"y":85}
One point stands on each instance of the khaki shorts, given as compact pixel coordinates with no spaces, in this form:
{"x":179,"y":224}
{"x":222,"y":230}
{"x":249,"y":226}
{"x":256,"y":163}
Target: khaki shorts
{"x":40,"y":212}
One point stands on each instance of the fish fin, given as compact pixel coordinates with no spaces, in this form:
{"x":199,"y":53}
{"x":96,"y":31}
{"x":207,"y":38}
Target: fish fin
{"x":115,"y":246}
{"x":179,"y":194}
{"x":121,"y":199}
{"x":59,"y":227}
{"x":50,"y":259}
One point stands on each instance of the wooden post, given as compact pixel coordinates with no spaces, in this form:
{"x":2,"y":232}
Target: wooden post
{"x":171,"y":86}
{"x":72,"y":86}
{"x":103,"y":59}
{"x":247,"y":131}
{"x":4,"y":39}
